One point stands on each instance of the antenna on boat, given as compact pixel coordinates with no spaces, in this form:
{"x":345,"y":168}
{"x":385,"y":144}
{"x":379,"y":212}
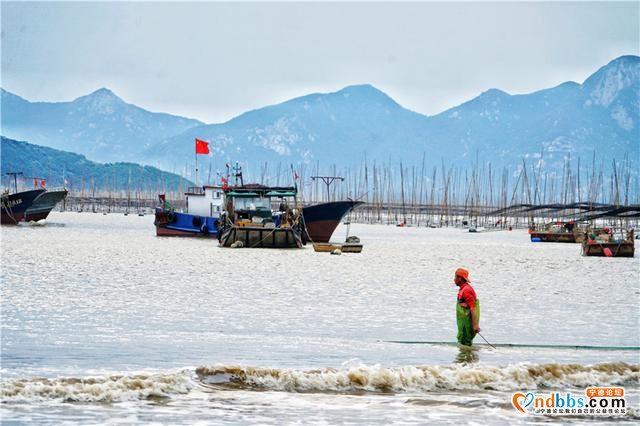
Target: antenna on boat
{"x":237,"y":173}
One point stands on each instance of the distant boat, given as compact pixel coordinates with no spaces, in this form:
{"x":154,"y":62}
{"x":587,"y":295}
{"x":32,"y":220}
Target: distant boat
{"x":30,"y":205}
{"x":562,"y":232}
{"x":607,"y":245}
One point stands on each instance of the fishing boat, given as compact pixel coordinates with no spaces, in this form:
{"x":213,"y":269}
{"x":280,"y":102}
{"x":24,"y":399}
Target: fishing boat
{"x":44,"y":203}
{"x":343,"y":247}
{"x":610,"y":244}
{"x":562,"y":232}
{"x":30,"y":205}
{"x":249,"y":220}
{"x":202,"y":216}
{"x":321,"y":219}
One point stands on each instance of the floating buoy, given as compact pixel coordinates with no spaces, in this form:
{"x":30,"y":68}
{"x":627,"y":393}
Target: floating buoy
{"x":536,"y":240}
{"x":607,"y":252}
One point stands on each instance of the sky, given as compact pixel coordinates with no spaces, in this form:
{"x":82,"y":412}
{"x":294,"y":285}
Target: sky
{"x":213,"y":61}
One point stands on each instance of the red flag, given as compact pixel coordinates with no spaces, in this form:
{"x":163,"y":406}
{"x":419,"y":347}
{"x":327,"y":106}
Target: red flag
{"x":35,"y":182}
{"x":225,"y":183}
{"x":202,"y":147}
{"x":43,"y":182}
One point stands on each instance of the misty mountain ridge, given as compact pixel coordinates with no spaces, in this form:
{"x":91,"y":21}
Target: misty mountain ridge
{"x":600,"y":115}
{"x":99,"y":125}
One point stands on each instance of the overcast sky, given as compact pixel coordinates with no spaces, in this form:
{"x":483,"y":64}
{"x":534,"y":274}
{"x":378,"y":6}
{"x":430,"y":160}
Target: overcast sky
{"x":213,"y":61}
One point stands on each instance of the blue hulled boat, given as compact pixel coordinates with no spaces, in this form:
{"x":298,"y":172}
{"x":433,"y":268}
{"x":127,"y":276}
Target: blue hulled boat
{"x":201,"y":218}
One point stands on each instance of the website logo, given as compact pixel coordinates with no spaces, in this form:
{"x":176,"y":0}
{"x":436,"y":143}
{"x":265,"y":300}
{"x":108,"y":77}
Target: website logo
{"x":595,"y":401}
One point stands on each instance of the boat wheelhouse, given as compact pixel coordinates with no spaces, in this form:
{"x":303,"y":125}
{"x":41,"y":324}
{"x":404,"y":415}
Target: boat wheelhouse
{"x":261,"y":216}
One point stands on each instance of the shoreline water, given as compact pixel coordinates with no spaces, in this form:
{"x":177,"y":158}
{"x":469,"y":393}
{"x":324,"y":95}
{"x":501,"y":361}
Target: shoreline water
{"x":111,"y":322}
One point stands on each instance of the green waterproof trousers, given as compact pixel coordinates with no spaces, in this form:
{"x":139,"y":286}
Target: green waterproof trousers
{"x":465,"y":325}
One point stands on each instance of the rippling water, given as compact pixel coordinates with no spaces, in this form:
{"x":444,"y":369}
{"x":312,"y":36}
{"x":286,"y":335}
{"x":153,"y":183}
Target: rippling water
{"x":104,"y":322}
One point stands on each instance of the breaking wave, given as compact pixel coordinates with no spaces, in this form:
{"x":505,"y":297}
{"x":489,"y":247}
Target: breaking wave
{"x":354,"y":380}
{"x":421,"y":379}
{"x":96,"y":389}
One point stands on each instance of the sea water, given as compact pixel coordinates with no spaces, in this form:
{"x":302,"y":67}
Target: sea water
{"x":103,"y":322}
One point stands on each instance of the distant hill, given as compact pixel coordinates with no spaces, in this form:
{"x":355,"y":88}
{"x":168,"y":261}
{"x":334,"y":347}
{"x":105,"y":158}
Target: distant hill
{"x":52,"y":164}
{"x":100,"y":125}
{"x":601,"y":116}
{"x":332,"y":128}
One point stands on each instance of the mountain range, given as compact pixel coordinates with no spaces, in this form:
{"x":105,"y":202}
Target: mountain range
{"x":99,"y":125}
{"x":601,"y":115}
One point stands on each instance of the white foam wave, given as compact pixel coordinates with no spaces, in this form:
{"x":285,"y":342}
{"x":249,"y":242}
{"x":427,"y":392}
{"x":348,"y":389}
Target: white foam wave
{"x":354,"y":379}
{"x":96,"y":389}
{"x":423,"y":378}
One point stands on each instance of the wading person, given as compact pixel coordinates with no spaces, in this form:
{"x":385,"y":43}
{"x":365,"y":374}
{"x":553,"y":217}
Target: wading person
{"x":467,"y":308}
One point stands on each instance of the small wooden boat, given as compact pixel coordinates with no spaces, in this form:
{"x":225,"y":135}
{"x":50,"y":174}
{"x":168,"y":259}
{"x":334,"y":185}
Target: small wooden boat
{"x":344,"y":247}
{"x":607,"y":245}
{"x":563,"y":232}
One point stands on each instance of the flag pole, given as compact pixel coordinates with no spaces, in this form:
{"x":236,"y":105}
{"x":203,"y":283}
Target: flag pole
{"x":196,"y":162}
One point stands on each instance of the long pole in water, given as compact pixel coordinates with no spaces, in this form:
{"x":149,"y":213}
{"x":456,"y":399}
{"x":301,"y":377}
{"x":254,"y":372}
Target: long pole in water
{"x":486,"y":340}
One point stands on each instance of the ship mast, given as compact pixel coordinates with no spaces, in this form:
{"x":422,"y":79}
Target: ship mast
{"x":328,"y":180}
{"x":237,"y":173}
{"x":15,"y":179}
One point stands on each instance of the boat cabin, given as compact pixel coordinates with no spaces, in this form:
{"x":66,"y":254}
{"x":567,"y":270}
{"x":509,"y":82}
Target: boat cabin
{"x":205,"y":200}
{"x":258,"y":205}
{"x":258,"y":216}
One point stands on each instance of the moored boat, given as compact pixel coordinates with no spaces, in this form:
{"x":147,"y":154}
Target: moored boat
{"x":204,"y":205}
{"x":610,"y":244}
{"x":30,"y":205}
{"x":201,"y":219}
{"x":562,"y":232}
{"x":44,"y":203}
{"x":322,"y":219}
{"x":14,"y":206}
{"x":343,"y":247}
{"x":249,"y":221}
